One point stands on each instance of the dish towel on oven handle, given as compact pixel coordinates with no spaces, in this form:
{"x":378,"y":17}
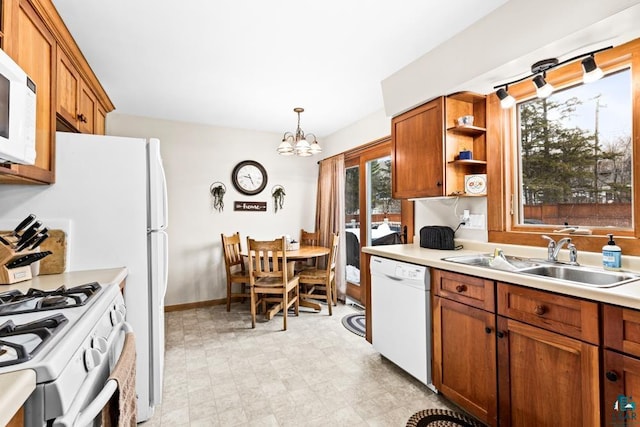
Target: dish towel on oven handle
{"x":121,"y":410}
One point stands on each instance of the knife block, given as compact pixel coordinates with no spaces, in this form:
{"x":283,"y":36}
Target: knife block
{"x":13,"y":275}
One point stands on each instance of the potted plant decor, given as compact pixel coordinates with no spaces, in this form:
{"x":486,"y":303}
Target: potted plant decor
{"x":217,"y":191}
{"x":278,"y":197}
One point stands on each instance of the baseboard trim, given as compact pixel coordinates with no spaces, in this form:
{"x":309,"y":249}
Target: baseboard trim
{"x":198,"y":304}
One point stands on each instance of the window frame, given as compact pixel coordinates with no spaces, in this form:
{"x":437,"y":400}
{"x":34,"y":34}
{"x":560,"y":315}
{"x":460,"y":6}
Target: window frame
{"x":502,"y":168}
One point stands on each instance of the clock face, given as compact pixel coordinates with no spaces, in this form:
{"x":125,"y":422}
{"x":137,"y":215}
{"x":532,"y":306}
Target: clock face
{"x":249,"y":177}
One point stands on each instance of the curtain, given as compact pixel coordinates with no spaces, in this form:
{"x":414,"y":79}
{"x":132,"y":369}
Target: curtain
{"x":330,"y":213}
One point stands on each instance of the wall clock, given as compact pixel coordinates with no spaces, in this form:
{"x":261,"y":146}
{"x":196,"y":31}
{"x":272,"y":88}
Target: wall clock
{"x":249,"y":177}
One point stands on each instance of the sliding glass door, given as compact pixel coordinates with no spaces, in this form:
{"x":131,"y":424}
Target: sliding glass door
{"x":372,"y":216}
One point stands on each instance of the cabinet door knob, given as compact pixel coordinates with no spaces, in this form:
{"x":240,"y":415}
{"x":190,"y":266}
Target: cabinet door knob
{"x":540,"y":310}
{"x":82,"y":118}
{"x":501,"y":334}
{"x":487,"y":330}
{"x":439,"y":183}
{"x":461,"y":288}
{"x":611,"y":376}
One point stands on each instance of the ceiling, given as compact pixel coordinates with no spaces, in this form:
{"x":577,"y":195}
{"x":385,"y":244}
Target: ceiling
{"x":247,"y":63}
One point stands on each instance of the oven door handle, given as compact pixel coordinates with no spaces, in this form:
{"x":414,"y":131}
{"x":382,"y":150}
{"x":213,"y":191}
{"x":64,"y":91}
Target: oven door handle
{"x":82,"y":417}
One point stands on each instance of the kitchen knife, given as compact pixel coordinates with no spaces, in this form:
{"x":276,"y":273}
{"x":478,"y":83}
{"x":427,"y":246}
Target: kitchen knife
{"x":4,"y":242}
{"x":27,"y":259}
{"x":42,"y":236}
{"x":30,"y":241}
{"x":23,"y":225}
{"x":29,"y":233}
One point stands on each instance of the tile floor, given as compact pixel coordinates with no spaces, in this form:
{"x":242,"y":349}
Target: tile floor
{"x":220,"y":372}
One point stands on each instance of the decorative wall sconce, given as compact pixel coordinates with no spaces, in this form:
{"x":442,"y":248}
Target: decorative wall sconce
{"x":277,"y":192}
{"x":217,"y":190}
{"x":539,"y":73}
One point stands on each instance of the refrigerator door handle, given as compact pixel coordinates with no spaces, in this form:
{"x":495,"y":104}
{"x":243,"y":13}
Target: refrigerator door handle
{"x":165,"y":199}
{"x":158,"y":198}
{"x":165,"y":258}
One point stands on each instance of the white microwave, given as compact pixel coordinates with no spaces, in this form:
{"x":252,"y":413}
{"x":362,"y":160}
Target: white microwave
{"x":17,"y":114}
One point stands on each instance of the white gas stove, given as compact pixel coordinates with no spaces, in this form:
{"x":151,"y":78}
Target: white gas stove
{"x":71,"y":337}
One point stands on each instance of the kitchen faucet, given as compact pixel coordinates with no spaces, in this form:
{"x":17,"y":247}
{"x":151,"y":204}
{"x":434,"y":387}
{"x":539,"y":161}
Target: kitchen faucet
{"x":553,"y":248}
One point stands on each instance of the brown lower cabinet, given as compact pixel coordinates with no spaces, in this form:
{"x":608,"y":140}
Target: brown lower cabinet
{"x":530,"y":362}
{"x":621,"y":387}
{"x":544,"y":378}
{"x":464,"y":348}
{"x":621,"y":366}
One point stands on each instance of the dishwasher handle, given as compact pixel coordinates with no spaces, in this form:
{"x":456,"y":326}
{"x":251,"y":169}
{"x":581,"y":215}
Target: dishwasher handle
{"x":396,"y":278}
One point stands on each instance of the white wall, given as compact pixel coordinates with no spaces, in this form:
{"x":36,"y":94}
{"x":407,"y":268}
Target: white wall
{"x":194,"y":157}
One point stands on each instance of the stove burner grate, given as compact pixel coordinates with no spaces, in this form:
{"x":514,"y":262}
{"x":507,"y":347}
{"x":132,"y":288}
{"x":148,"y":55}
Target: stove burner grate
{"x":16,"y":302}
{"x":19,"y":343}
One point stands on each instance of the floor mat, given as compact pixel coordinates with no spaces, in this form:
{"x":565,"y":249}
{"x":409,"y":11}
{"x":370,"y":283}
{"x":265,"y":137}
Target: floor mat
{"x":355,"y":323}
{"x":441,"y":418}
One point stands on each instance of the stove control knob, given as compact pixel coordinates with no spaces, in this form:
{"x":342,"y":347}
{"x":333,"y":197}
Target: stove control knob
{"x":92,"y":358}
{"x":122,"y":309}
{"x":100,"y":344}
{"x":116,"y":317}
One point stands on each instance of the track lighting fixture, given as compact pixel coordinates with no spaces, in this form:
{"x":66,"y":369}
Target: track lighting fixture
{"x":591,"y":71}
{"x":539,"y":73}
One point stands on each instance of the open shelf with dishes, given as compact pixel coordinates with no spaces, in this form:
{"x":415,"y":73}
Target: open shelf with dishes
{"x":465,"y":140}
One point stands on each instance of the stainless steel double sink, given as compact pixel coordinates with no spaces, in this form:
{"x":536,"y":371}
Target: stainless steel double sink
{"x":575,"y":274}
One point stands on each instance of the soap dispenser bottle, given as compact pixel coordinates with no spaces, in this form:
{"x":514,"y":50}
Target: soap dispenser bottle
{"x":611,"y":255}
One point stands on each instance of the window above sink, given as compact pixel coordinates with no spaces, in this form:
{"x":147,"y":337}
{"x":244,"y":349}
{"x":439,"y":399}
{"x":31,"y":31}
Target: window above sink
{"x":544,"y":185}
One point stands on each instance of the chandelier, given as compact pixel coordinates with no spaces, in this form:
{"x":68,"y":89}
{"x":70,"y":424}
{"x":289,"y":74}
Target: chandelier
{"x":297,"y":143}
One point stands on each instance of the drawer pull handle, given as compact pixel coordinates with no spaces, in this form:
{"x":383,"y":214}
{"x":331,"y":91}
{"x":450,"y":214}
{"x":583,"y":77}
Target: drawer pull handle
{"x":540,"y":310}
{"x":461,"y":288}
{"x":611,"y":376}
{"x":487,"y":330}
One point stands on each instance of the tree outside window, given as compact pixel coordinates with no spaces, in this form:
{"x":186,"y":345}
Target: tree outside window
{"x":576,"y":155}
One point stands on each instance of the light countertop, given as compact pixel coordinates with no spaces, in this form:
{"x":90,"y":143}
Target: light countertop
{"x":627,"y":295}
{"x":15,"y":387}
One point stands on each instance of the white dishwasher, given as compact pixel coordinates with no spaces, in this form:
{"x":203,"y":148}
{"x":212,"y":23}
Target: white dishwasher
{"x":401,"y":315}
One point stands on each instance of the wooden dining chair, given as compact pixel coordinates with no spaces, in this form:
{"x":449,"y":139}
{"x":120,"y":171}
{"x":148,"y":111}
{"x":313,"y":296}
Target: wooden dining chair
{"x":320,"y":283}
{"x":237,"y":273}
{"x":308,"y":238}
{"x":272,"y":280}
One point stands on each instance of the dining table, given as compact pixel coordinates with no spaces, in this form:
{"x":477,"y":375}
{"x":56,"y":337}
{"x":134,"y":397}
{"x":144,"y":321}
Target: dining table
{"x":303,"y":252}
{"x":306,"y":252}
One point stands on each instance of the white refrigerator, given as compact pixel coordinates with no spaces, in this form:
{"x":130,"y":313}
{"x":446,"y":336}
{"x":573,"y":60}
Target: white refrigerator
{"x":112,"y":193}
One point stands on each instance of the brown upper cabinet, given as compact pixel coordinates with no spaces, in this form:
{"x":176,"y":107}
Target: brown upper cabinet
{"x":77,"y":106}
{"x":417,"y":152}
{"x":69,"y":96}
{"x":427,"y":142}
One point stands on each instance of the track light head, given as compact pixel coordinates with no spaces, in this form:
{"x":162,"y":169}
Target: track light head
{"x":506,"y":100}
{"x":543,"y":89}
{"x":591,"y":71}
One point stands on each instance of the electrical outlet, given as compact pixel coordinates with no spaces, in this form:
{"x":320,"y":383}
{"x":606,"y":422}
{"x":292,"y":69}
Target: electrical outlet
{"x":477,"y":222}
{"x":473,"y":221}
